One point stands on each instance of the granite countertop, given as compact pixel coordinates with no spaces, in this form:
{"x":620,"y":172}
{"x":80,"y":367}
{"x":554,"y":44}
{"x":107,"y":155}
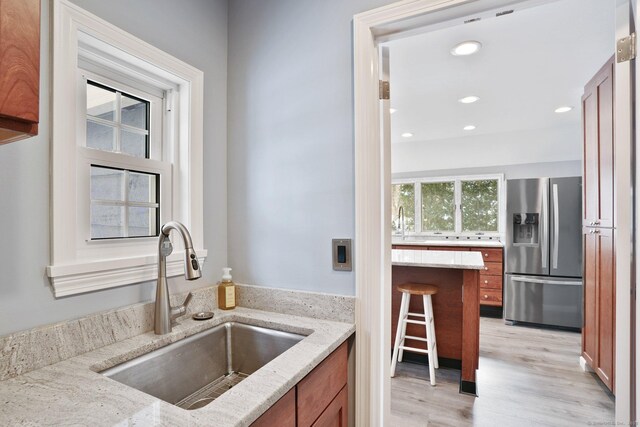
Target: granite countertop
{"x":71,"y":392}
{"x":475,"y":243}
{"x":437,"y":259}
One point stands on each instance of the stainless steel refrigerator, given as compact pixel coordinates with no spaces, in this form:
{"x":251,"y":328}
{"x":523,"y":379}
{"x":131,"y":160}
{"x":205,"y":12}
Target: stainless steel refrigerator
{"x":543,"y":251}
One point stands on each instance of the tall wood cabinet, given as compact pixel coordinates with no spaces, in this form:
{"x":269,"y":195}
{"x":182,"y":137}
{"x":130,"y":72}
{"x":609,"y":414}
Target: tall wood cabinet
{"x":598,"y":333}
{"x":19,"y":69}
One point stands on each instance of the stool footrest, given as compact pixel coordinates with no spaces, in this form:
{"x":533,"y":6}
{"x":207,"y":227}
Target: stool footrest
{"x":413,"y":349}
{"x":415,"y":338}
{"x":415,"y":314}
{"x":416,"y":322}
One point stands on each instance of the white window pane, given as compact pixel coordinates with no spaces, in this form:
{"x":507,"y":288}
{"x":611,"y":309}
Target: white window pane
{"x":480,"y":205}
{"x":142,"y":221}
{"x":134,"y":144}
{"x":101,"y":102}
{"x":403,"y":195}
{"x":142,"y":187}
{"x":438,"y":206}
{"x":100,"y":136}
{"x":134,"y":112}
{"x":107,"y":221}
{"x":107,"y":184}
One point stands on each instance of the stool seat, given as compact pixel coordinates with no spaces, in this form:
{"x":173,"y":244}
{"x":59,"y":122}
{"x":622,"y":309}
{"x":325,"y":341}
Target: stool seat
{"x":418,"y":288}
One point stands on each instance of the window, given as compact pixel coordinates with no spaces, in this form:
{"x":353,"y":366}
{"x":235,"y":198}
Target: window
{"x":464,"y":205}
{"x":126,"y":154}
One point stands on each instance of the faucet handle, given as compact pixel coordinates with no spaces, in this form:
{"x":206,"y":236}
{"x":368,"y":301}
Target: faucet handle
{"x":180,"y":310}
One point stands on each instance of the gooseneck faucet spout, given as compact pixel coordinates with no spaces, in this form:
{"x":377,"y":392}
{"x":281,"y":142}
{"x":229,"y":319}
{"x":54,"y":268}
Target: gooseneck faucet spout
{"x":164,"y":313}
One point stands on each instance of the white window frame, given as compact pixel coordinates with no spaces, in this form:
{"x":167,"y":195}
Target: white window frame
{"x":84,"y":45}
{"x":457,"y":180}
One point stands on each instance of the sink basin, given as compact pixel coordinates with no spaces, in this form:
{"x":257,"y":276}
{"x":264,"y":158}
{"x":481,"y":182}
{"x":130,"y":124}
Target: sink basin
{"x":194,"y":371}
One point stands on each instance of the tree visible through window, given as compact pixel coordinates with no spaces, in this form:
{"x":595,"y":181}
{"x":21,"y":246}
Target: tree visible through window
{"x":480,"y":205}
{"x":438,"y":206}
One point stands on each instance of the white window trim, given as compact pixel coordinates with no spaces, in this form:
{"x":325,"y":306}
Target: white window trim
{"x":457,"y":179}
{"x":74,"y":270}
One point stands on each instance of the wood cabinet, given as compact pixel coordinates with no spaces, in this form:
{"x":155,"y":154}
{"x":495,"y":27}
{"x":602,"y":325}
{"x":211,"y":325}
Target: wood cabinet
{"x":598,"y":332}
{"x":597,"y":125}
{"x":19,"y":69}
{"x":320,"y":399}
{"x":283,"y":413}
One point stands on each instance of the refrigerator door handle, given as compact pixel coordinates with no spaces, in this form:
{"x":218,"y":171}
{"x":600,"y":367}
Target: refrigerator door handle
{"x":545,"y":226}
{"x":556,"y":226}
{"x":545,"y":281}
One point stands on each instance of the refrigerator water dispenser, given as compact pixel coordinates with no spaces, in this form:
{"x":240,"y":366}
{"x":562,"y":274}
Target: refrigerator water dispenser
{"x":526,"y":228}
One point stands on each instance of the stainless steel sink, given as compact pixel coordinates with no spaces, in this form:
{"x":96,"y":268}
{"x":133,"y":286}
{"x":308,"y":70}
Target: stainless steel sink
{"x":194,"y":371}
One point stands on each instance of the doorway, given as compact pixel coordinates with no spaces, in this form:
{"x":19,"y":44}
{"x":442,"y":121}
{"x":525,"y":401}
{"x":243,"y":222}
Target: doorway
{"x":370,"y":29}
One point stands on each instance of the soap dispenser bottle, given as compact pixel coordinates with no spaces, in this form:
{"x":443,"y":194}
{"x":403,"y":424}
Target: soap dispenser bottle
{"x":226,"y":291}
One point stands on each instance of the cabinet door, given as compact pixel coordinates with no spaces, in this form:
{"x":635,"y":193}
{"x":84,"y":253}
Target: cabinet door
{"x":605,"y":268}
{"x":20,"y":53}
{"x":317,"y":390}
{"x":336,"y":413}
{"x":597,"y":120}
{"x":283,"y":413}
{"x":590,"y":328}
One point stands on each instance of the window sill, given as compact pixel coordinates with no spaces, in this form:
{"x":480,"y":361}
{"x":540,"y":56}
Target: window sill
{"x":73,"y":279}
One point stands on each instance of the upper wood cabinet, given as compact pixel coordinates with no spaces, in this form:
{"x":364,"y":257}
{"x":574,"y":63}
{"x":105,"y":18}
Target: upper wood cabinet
{"x":19,"y":69}
{"x":597,"y":127}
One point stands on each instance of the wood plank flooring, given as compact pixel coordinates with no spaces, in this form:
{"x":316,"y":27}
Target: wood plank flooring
{"x":527,"y":377}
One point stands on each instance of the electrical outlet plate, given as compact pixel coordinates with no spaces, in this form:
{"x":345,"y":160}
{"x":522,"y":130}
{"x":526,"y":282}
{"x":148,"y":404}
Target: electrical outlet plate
{"x":342,"y":254}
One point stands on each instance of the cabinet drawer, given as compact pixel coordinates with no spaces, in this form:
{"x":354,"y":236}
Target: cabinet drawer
{"x":336,"y":413}
{"x":489,"y":255}
{"x":317,"y":390}
{"x":490,"y":297}
{"x":490,"y":282}
{"x":492,"y":269}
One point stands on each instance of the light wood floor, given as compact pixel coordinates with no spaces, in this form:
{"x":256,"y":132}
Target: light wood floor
{"x":527,"y":377}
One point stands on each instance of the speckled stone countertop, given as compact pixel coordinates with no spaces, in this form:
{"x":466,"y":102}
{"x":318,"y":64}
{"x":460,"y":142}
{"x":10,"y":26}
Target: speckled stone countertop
{"x":437,"y":259}
{"x":72,"y":392}
{"x":473,"y":243}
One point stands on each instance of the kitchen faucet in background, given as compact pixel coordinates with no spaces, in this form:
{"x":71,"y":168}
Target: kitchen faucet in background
{"x":401,"y":222}
{"x":164,"y":313}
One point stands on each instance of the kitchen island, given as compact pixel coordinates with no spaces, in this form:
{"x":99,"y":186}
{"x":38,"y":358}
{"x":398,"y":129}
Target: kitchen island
{"x":456,"y":305}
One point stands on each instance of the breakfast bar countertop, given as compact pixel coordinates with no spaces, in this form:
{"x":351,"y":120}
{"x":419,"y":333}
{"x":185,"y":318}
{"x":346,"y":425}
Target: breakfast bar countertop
{"x":437,"y":259}
{"x":72,"y":392}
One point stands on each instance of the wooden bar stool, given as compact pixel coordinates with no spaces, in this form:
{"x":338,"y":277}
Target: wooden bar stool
{"x":409,"y":289}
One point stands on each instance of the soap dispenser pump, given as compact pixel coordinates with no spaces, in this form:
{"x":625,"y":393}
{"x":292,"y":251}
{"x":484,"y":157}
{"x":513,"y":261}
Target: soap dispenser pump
{"x":226,"y":291}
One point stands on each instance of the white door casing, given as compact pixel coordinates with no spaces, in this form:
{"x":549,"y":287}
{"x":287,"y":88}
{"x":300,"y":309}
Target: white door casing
{"x":372,"y":191}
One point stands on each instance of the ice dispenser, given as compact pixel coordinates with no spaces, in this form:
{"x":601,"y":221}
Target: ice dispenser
{"x":526,"y":228}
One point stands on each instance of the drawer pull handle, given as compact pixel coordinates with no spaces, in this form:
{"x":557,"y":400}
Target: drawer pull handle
{"x":486,"y":254}
{"x":486,"y":268}
{"x":486,"y":281}
{"x":486,"y":296}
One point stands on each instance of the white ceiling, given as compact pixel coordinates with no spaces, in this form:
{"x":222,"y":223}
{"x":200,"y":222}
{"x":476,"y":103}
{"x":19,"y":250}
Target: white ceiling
{"x":531,"y":62}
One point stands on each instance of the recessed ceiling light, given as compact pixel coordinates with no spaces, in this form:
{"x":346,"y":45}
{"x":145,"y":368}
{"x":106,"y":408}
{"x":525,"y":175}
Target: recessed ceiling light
{"x":407,"y":135}
{"x":392,"y":110}
{"x":563,"y":109}
{"x":469,"y":99}
{"x":468,"y":47}
{"x":469,"y":127}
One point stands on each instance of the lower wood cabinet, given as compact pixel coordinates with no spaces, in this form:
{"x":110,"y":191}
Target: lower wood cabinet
{"x":598,"y":333}
{"x":320,"y":399}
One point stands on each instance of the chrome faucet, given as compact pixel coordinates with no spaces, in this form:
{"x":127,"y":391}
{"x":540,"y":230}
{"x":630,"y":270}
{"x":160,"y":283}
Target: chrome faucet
{"x":164,"y":313}
{"x":401,"y":221}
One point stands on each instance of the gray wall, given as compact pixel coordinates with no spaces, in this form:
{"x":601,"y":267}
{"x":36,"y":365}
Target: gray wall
{"x":194,"y":31}
{"x":290,"y":147}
